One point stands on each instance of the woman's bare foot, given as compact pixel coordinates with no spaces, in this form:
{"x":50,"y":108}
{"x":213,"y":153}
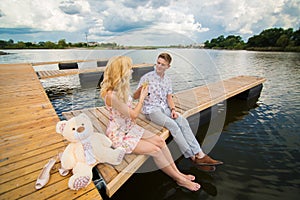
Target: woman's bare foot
{"x":188,"y":176}
{"x":190,"y":185}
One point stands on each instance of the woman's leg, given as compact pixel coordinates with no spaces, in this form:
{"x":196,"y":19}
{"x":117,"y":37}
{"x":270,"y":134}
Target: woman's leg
{"x":156,"y":147}
{"x":158,"y":141}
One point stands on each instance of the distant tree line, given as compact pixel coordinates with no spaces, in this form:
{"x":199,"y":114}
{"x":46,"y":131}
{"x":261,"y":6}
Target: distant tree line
{"x":61,"y":44}
{"x":274,"y":39}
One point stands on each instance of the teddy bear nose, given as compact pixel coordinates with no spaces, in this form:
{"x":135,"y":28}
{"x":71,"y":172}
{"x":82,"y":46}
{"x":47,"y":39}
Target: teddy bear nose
{"x":80,"y":129}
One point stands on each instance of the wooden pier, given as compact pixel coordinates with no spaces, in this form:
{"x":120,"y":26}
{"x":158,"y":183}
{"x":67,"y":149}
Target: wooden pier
{"x":187,"y":102}
{"x":29,"y":139}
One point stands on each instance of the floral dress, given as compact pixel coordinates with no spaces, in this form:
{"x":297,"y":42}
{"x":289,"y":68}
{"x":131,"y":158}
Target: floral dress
{"x":122,"y":131}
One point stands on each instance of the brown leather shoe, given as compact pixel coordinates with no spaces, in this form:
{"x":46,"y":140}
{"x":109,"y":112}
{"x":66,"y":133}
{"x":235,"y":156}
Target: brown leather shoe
{"x":206,"y":160}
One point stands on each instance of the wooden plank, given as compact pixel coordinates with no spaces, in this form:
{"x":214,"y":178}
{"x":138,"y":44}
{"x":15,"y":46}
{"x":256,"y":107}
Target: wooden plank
{"x":67,"y":72}
{"x":28,"y":157}
{"x":28,"y":138}
{"x":66,"y":61}
{"x":108,"y":172}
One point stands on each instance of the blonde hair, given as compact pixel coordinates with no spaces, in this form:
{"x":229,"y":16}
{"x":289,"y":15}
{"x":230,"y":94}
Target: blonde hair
{"x":116,"y":77}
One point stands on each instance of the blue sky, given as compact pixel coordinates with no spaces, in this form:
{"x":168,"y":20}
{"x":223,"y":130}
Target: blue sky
{"x":141,"y":22}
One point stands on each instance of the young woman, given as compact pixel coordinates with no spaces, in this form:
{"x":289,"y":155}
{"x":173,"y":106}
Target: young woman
{"x":122,"y":129}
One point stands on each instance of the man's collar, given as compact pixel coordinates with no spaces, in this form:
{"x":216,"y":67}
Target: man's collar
{"x":159,"y":75}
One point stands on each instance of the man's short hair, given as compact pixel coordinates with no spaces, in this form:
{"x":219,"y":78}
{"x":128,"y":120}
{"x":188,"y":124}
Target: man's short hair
{"x":166,"y":57}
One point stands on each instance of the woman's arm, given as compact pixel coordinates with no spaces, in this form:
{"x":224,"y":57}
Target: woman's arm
{"x":137,"y":93}
{"x":123,"y":107}
{"x":142,"y":83}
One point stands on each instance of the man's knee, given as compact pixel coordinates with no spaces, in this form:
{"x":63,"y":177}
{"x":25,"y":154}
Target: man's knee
{"x":158,"y":118}
{"x":182,"y":120}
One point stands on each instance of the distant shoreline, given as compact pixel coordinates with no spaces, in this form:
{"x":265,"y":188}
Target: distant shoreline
{"x":269,"y":49}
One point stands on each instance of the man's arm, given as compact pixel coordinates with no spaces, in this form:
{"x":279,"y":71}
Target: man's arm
{"x":170,"y":101}
{"x":172,"y":106}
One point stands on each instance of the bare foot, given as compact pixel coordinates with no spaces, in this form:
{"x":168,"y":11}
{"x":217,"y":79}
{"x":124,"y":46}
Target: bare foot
{"x":188,"y":176}
{"x":190,"y":185}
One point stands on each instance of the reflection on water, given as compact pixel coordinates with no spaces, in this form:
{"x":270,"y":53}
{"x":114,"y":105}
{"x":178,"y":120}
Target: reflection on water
{"x":259,"y":142}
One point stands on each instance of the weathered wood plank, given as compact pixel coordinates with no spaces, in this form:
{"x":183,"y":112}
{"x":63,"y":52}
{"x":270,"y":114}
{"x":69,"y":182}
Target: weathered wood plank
{"x":28,"y":138}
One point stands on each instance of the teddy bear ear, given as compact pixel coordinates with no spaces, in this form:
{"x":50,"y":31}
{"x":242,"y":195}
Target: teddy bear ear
{"x":60,"y":126}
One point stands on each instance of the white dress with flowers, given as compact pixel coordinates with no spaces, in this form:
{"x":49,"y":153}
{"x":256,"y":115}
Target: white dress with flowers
{"x":122,"y":131}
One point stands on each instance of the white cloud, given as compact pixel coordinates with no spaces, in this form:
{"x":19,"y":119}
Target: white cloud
{"x":42,"y":15}
{"x":197,"y":20}
{"x":243,"y":17}
{"x":170,"y":19}
{"x":150,"y":37}
{"x":176,"y":21}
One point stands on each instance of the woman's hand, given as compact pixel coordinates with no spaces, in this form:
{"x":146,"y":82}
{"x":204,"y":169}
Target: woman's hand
{"x":144,"y":92}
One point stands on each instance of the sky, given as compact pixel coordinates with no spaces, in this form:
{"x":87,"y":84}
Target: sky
{"x":141,"y":22}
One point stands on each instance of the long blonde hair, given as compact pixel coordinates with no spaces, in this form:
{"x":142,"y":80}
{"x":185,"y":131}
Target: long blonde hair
{"x":116,"y":77}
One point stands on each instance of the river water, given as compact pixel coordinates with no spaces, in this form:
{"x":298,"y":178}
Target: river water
{"x":259,"y":144}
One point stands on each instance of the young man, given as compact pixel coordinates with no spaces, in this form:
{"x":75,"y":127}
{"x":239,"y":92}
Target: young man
{"x":159,"y":108}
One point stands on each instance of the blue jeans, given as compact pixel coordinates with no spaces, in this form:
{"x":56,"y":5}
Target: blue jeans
{"x":180,"y":130}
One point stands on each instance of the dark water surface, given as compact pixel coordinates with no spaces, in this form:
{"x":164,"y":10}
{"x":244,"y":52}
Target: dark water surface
{"x":259,"y":143}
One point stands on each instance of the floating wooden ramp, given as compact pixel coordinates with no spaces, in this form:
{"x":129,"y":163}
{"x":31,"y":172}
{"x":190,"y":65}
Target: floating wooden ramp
{"x":188,"y":103}
{"x":29,"y":139}
{"x":67,"y":72}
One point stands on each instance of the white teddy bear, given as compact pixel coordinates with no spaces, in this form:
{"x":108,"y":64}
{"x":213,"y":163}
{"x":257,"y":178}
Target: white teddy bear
{"x":86,"y":149}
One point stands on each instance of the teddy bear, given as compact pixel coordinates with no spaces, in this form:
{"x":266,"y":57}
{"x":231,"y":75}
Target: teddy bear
{"x":86,"y":149}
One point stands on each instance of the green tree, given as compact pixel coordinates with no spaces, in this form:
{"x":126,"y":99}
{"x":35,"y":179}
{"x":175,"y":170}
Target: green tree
{"x":296,"y":37}
{"x":20,"y":45}
{"x":29,"y":45}
{"x":283,"y":41}
{"x":10,"y":42}
{"x":230,"y":42}
{"x":62,"y":44}
{"x":50,"y":45}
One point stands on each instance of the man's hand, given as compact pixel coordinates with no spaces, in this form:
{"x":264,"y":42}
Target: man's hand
{"x":174,"y":115}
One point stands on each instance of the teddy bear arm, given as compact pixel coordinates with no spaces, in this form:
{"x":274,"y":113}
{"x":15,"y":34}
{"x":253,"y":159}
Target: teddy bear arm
{"x":111,"y":156}
{"x":105,"y":141}
{"x":68,"y":160}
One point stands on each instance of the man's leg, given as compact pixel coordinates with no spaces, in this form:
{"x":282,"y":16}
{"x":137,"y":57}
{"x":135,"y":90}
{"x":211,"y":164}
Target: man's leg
{"x":189,"y":135}
{"x":160,"y":118}
{"x":201,"y":158}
